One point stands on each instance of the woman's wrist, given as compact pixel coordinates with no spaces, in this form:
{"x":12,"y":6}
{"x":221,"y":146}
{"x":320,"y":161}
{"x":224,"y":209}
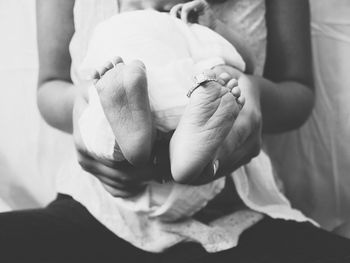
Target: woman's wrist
{"x":284,"y":105}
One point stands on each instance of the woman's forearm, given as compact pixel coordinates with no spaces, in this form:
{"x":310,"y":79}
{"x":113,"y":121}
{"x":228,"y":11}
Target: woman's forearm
{"x":55,"y":102}
{"x":285,"y":105}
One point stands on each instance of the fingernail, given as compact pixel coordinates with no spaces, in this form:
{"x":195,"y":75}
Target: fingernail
{"x":216,"y":166}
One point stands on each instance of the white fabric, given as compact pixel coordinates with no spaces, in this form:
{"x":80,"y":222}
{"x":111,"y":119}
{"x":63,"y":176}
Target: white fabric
{"x":178,"y":201}
{"x":314,"y":162}
{"x":153,"y":234}
{"x":172,"y":60}
{"x":255,"y":185}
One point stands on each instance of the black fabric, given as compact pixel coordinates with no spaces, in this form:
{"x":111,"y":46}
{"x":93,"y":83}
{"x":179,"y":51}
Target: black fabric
{"x":66,"y":232}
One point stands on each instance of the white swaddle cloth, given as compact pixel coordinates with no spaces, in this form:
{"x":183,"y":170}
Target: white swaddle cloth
{"x":173,"y":52}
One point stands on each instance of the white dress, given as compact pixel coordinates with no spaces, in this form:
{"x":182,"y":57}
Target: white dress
{"x":314,"y":162}
{"x":156,"y":235}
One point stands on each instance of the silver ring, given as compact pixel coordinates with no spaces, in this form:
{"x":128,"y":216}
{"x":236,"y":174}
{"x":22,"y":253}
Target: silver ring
{"x":200,"y":79}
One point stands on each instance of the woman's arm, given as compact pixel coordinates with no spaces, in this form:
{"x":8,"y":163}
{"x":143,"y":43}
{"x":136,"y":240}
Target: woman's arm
{"x":287,"y":87}
{"x":287,"y":96}
{"x":56,"y":93}
{"x":283,"y":99}
{"x":61,"y":103}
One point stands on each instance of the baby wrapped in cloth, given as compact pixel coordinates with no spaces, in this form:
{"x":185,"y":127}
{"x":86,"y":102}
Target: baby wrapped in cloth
{"x":173,"y":52}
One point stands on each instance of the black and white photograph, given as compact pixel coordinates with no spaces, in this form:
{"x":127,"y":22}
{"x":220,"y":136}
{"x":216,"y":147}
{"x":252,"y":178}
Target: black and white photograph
{"x":175,"y":131}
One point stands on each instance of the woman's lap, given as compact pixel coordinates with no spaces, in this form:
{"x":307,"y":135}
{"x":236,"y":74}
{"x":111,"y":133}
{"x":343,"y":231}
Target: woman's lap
{"x":62,"y":232}
{"x":277,"y":241}
{"x":66,"y":232}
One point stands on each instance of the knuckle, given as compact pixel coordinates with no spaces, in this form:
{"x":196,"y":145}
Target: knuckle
{"x":257,"y":148}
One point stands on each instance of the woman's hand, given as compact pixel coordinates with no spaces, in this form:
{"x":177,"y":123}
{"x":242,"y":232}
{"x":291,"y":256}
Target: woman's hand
{"x":197,"y":11}
{"x":120,"y":179}
{"x":244,"y":141}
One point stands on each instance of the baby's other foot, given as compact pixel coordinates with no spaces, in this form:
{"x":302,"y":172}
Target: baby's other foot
{"x":124,"y":97}
{"x":208,"y":118}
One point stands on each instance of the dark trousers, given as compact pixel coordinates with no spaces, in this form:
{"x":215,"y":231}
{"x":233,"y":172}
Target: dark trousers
{"x":66,"y":232}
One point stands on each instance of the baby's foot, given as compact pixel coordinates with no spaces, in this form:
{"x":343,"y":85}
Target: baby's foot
{"x":208,"y":118}
{"x":124,"y":97}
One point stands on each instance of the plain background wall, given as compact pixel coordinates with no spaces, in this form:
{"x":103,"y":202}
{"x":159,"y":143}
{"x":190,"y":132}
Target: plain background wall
{"x":29,"y":150}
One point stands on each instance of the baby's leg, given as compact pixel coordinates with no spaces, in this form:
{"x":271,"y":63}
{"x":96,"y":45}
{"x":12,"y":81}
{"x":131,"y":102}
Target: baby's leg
{"x":208,"y":118}
{"x":124,"y":96}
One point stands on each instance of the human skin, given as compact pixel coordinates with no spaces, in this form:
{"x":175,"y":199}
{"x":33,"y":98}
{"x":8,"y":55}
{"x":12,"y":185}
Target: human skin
{"x":278,"y":102}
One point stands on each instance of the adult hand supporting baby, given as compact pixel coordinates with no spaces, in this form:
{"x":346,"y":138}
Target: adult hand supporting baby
{"x":118,"y":178}
{"x":245,"y":139}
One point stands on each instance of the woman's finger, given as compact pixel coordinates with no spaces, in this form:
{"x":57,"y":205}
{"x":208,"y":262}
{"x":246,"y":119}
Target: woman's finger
{"x":117,"y":183}
{"x":187,"y":9}
{"x":175,"y":11}
{"x":192,"y":8}
{"x":126,"y":175}
{"x":92,"y":166}
{"x":119,"y":193}
{"x":130,"y":187}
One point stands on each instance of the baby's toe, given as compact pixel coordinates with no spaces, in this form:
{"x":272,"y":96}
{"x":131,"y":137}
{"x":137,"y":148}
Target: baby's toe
{"x":137,"y":64}
{"x":107,"y":66}
{"x":241,"y":101}
{"x":236,"y":91}
{"x":116,"y":60}
{"x":224,"y":77}
{"x":232,"y":84}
